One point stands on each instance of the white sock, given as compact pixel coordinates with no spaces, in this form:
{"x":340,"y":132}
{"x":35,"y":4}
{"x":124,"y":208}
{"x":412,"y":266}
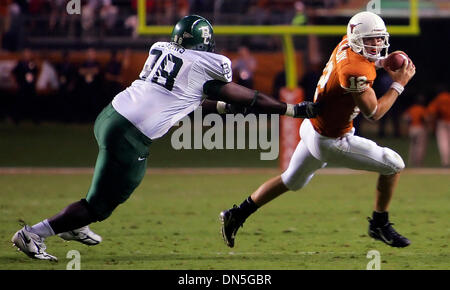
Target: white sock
{"x":43,"y":229}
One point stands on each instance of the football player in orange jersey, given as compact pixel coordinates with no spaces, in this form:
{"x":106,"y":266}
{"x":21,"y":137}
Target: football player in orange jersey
{"x":439,"y":110}
{"x":344,"y":90}
{"x":416,"y":118}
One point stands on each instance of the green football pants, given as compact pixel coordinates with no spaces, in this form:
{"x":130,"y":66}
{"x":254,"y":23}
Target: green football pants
{"x":121,"y":162}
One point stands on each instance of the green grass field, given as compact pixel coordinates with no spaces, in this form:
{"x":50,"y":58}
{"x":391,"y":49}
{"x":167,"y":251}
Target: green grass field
{"x":171,"y":222}
{"x":73,"y":145}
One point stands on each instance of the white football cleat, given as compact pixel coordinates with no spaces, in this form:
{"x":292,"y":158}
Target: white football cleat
{"x":31,"y":244}
{"x":83,"y":235}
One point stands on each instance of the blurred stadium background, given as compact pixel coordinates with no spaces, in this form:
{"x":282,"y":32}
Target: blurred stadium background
{"x":58,"y":70}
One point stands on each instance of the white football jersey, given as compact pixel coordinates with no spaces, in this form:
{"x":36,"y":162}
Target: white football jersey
{"x":170,"y":87}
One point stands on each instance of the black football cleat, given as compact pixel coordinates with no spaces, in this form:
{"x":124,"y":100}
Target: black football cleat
{"x":387,"y":234}
{"x":231,"y":222}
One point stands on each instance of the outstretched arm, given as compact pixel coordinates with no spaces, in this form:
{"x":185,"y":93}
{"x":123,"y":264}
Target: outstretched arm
{"x":236,"y":94}
{"x":212,"y":106}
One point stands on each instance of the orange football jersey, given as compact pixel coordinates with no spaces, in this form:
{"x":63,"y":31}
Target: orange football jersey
{"x":440,"y":106}
{"x":345,"y":72}
{"x":417,"y":115}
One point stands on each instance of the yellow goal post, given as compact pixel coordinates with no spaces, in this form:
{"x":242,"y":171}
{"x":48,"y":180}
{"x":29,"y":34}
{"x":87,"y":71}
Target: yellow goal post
{"x":285,"y":31}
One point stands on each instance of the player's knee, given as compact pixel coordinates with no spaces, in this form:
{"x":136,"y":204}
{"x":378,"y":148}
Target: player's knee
{"x":293,"y":183}
{"x":393,"y":160}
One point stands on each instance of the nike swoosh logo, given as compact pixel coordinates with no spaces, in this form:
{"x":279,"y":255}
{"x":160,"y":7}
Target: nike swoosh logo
{"x":384,"y":238}
{"x":141,"y":158}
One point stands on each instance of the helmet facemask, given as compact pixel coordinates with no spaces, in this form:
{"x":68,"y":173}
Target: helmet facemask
{"x":371,"y":52}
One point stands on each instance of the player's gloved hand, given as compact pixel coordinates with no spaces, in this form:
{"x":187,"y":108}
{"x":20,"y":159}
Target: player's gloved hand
{"x":306,"y":110}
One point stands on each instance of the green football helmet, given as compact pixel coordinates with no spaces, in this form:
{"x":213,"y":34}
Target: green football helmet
{"x":194,"y":32}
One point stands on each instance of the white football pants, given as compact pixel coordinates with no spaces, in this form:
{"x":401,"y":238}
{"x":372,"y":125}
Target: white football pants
{"x":316,"y":151}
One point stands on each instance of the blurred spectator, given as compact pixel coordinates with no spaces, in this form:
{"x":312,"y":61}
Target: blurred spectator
{"x":46,"y":87}
{"x":131,"y":22}
{"x":36,"y":6}
{"x":258,"y":13}
{"x":12,"y":38}
{"x":88,"y":19}
{"x":67,"y":80}
{"x":279,"y":12}
{"x":48,"y":78}
{"x":234,"y":7}
{"x":300,"y":17}
{"x":201,"y":7}
{"x":416,"y":118}
{"x":88,"y":98}
{"x":182,"y":10}
{"x":439,"y":110}
{"x":113,"y":78}
{"x":381,"y":85}
{"x":25,"y":104}
{"x":23,"y":4}
{"x":4,"y":21}
{"x":58,"y":15}
{"x":8,"y":86}
{"x":244,"y":67}
{"x":108,"y":16}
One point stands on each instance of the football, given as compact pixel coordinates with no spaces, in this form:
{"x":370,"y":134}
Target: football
{"x":395,"y":60}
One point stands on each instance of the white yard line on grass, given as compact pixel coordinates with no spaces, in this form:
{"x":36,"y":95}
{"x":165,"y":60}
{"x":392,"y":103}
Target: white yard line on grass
{"x":204,"y":171}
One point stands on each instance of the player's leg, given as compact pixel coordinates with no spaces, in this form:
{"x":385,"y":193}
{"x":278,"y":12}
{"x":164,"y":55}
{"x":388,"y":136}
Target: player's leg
{"x":121,"y":164}
{"x":359,"y":153}
{"x":301,"y":169}
{"x":412,"y":147}
{"x":443,"y":140}
{"x":120,"y":167}
{"x":384,"y":191}
{"x":418,"y":146}
{"x":423,"y":143}
{"x":30,"y":239}
{"x":268,"y":191}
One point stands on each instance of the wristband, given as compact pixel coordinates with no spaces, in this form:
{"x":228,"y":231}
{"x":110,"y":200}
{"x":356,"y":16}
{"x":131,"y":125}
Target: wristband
{"x":290,"y":111}
{"x":221,"y":107}
{"x":398,"y":87}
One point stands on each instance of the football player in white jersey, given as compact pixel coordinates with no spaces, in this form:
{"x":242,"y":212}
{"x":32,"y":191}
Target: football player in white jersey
{"x":177,"y":78}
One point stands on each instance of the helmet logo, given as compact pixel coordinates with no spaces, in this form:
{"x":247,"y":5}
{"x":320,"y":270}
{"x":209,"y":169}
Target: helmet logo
{"x":206,"y":35}
{"x":353,"y":26}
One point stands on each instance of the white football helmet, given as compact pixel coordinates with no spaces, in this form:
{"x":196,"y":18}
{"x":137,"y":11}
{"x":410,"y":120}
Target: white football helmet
{"x":363,"y":25}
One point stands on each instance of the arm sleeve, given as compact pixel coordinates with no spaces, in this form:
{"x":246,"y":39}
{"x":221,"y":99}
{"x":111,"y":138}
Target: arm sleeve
{"x":356,"y":78}
{"x":216,"y":67}
{"x":212,"y":87}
